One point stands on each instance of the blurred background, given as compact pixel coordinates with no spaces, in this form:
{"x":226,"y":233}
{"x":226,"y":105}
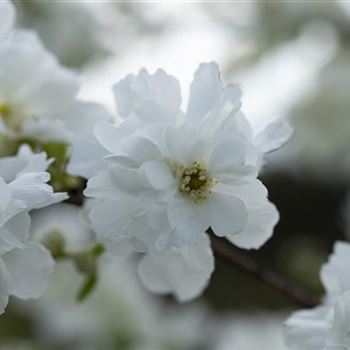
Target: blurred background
{"x":291,"y":59}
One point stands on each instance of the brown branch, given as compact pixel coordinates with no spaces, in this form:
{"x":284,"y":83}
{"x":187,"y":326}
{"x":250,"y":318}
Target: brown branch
{"x":236,"y":258}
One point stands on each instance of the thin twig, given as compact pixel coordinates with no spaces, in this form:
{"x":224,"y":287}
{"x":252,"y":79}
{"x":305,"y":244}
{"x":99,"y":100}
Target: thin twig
{"x":236,"y":258}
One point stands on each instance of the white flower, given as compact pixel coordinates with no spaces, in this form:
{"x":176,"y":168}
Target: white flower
{"x":35,"y":90}
{"x":65,"y":219}
{"x":172,"y":175}
{"x":185,"y":183}
{"x":24,"y":265}
{"x":335,"y":274}
{"x":327,"y":326}
{"x":38,"y":95}
{"x":323,"y":328}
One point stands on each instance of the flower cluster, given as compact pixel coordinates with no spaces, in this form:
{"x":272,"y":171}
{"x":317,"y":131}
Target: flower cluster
{"x":158,"y":184}
{"x":327,"y":326}
{"x":38,"y":97}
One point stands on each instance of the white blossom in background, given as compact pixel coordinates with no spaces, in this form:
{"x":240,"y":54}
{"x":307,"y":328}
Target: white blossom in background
{"x":118,"y":310}
{"x":118,"y":313}
{"x":34,"y":91}
{"x":326,"y":327}
{"x":64,"y":219}
{"x":251,"y":332}
{"x":62,"y":27}
{"x":24,"y":264}
{"x":171,"y":175}
{"x":38,"y":96}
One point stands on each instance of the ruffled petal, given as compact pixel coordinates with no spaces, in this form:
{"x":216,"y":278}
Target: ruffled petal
{"x":274,"y":135}
{"x":153,"y":97}
{"x":28,"y":270}
{"x":228,"y":213}
{"x":183,"y":272}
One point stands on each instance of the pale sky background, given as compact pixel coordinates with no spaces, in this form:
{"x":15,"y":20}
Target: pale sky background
{"x":279,"y":79}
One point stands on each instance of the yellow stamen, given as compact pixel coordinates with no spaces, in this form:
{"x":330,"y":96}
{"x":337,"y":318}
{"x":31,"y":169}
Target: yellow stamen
{"x":194,"y":181}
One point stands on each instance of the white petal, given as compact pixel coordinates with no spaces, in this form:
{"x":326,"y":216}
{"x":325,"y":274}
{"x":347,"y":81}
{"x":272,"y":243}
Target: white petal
{"x":111,"y":217}
{"x":4,"y":291}
{"x":308,"y":329}
{"x":102,"y":186}
{"x":5,"y":195}
{"x":228,"y":153}
{"x":183,"y":272}
{"x":259,"y":228}
{"x":228,"y":213}
{"x":28,"y":270}
{"x":262,"y":215}
{"x":146,"y":235}
{"x":24,"y":162}
{"x":15,"y":232}
{"x":110,"y":135}
{"x":206,"y":90}
{"x":340,"y":330}
{"x":124,"y":96}
{"x":184,"y":146}
{"x":221,"y":121}
{"x":274,"y":135}
{"x":153,"y":97}
{"x":188,"y":220}
{"x":35,"y":162}
{"x":335,"y":273}
{"x":86,"y":158}
{"x":126,"y":179}
{"x":52,"y":80}
{"x":157,"y":175}
{"x":140,"y":149}
{"x":229,"y":161}
{"x":32,"y":190}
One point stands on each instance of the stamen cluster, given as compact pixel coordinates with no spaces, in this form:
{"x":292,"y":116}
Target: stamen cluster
{"x":195,"y":182}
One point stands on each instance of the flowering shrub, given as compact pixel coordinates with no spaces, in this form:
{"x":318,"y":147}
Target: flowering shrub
{"x":161,"y":187}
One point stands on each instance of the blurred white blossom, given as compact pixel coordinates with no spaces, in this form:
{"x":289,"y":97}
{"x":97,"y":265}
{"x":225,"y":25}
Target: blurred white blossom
{"x":119,"y":314}
{"x":326,"y":327}
{"x":63,"y":219}
{"x":24,"y":264}
{"x":38,"y":96}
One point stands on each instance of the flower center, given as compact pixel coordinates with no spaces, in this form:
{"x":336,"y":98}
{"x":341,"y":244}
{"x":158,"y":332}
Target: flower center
{"x":5,"y":110}
{"x":12,"y":122}
{"x":195,"y":182}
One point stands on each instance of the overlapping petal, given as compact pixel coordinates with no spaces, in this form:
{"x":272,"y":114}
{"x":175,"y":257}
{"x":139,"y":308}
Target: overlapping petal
{"x":183,"y":272}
